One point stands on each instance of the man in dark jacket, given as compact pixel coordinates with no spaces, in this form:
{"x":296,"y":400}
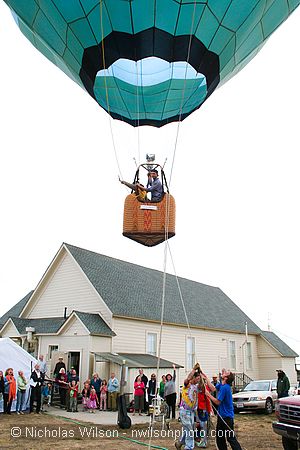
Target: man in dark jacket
{"x":151,"y":389}
{"x":283,"y":384}
{"x":36,"y":381}
{"x":59,"y":365}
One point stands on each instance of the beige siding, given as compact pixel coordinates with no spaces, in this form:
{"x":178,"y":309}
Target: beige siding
{"x":265,"y":349}
{"x":67,"y":287}
{"x":268,"y":366}
{"x":100,"y":344}
{"x":85,"y":344}
{"x":211,"y":347}
{"x":75,"y":328}
{"x":10,"y":330}
{"x":288,"y":366}
{"x":69,"y":344}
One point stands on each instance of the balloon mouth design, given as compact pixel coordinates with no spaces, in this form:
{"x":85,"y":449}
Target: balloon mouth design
{"x":150,"y":78}
{"x":155,"y":86}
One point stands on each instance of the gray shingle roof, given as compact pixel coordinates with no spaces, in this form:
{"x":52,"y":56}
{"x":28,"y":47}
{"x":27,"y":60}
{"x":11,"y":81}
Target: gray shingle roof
{"x":130,"y":290}
{"x":15,"y":311}
{"x":95,"y":324}
{"x":50,"y":325}
{"x":280,"y":345}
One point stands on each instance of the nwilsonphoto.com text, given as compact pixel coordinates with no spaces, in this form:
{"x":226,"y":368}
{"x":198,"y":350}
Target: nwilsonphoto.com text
{"x":94,"y":432}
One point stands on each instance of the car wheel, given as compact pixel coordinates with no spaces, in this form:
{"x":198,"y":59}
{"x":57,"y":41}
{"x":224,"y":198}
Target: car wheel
{"x":269,"y":406}
{"x":289,"y":444}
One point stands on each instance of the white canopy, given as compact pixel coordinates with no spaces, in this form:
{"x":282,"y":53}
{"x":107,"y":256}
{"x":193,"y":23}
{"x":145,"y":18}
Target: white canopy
{"x":14,"y":356}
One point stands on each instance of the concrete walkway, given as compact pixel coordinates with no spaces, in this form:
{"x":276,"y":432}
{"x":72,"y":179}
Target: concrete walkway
{"x":99,"y":417}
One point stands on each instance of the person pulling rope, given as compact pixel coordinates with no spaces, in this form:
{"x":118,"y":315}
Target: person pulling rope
{"x":225,"y":420}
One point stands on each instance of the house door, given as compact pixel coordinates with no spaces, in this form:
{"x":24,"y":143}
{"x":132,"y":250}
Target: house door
{"x":74,"y":361}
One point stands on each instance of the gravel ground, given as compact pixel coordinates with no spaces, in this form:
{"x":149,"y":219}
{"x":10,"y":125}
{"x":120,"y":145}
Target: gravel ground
{"x":254,"y":431}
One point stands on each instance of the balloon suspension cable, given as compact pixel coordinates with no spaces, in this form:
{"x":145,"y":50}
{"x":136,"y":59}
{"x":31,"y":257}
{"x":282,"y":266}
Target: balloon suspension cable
{"x":183,"y":91}
{"x":162,"y":305}
{"x":167,"y":220}
{"x":179,"y":290}
{"x":168,"y":198}
{"x":106,"y":91}
{"x":138,"y":111}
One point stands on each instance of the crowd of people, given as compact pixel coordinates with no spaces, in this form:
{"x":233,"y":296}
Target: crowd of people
{"x":199,"y":398}
{"x":39,"y":391}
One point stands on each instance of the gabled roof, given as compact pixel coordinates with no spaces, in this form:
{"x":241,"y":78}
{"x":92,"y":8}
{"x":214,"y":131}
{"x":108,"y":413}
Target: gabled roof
{"x":95,"y":324}
{"x":48,"y":325}
{"x":278,"y":344}
{"x":135,"y":291}
{"x":15,"y":311}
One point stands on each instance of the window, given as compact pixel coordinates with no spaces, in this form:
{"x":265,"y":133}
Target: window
{"x":52,"y":348}
{"x":232,"y":355}
{"x":190,"y":353}
{"x":151,"y":343}
{"x":249,"y":355}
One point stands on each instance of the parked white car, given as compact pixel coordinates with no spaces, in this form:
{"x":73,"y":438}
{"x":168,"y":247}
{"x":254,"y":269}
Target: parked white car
{"x":257,"y":395}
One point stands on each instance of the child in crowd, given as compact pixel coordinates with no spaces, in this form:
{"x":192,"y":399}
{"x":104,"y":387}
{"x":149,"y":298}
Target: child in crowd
{"x":73,"y":391}
{"x":85,"y":396}
{"x":103,"y":395}
{"x":46,"y":395}
{"x":93,"y":400}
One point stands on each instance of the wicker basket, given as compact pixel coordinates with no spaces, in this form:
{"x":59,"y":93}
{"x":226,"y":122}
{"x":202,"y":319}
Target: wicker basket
{"x":145,"y":222}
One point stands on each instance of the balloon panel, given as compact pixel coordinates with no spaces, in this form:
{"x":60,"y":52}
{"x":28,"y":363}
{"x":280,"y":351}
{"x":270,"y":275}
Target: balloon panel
{"x":150,"y":62}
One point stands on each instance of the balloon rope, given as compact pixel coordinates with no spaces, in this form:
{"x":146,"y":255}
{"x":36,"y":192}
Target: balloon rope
{"x":138,"y":111}
{"x":180,"y":292}
{"x":106,"y":91}
{"x":168,"y":203}
{"x":162,"y":306}
{"x":183,"y":91}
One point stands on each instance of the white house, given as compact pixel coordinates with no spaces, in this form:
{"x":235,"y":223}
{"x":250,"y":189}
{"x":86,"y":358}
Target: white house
{"x":97,"y":311}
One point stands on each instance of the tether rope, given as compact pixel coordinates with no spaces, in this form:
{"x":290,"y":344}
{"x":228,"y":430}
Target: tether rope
{"x":166,"y":247}
{"x":106,"y":91}
{"x":172,"y":165}
{"x":229,"y":428}
{"x":138,"y":113}
{"x":167,"y":220}
{"x":180,"y":292}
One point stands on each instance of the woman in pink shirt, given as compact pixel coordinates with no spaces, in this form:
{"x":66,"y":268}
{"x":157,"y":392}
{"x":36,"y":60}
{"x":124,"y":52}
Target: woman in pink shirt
{"x":139,"y":389}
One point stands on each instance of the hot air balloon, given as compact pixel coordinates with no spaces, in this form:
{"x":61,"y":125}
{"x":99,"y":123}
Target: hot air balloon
{"x":150,"y":62}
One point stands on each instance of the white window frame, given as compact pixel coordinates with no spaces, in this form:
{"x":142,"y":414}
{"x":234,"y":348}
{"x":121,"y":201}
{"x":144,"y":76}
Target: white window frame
{"x":51,"y":350}
{"x":190,"y":353}
{"x":151,"y":345}
{"x":249,"y":362}
{"x":232,"y":355}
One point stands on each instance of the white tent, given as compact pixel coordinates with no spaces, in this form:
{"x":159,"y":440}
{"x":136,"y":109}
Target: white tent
{"x":12,"y":355}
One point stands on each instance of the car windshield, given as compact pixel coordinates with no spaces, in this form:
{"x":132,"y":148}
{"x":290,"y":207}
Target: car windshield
{"x":258,"y":386}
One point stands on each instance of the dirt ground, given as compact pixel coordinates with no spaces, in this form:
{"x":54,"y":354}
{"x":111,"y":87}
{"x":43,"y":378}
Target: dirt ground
{"x":254,"y":431}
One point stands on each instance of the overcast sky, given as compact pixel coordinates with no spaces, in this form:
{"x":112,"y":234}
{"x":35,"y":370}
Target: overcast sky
{"x":235,"y":180}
